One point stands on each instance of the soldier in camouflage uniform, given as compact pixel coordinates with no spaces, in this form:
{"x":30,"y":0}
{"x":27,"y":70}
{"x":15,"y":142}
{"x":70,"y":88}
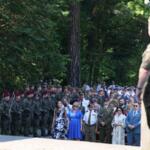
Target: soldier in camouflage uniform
{"x":0,"y":114}
{"x":5,"y":114}
{"x":27,"y":114}
{"x":36,"y":105}
{"x":16,"y":112}
{"x":105,"y":117}
{"x":45,"y":113}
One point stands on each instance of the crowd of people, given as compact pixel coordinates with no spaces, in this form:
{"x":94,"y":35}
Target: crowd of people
{"x":105,"y":114}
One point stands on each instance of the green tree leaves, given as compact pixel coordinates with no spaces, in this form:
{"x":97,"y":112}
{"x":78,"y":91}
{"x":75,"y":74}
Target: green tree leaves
{"x":30,"y":44}
{"x":34,"y":40}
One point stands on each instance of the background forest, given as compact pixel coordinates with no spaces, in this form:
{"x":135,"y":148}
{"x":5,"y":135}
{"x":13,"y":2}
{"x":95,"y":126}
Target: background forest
{"x":75,"y":41}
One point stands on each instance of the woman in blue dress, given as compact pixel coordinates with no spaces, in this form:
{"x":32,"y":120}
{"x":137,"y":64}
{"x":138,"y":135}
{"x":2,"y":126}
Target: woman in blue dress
{"x":75,"y":123}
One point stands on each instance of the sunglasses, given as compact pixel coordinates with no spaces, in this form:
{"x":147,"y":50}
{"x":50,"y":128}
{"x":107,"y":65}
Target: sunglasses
{"x":75,"y":106}
{"x":135,"y":105}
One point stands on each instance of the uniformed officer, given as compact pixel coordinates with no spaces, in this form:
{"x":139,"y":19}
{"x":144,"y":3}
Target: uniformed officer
{"x":105,"y":117}
{"x":27,"y":114}
{"x":45,"y":113}
{"x":5,"y":116}
{"x":90,"y":122}
{"x":36,"y":105}
{"x":0,"y":114}
{"x":16,"y":111}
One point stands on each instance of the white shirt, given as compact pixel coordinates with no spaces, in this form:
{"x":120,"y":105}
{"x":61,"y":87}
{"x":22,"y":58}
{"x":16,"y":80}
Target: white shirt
{"x":68,"y":108}
{"x":108,"y":92}
{"x":119,"y":119}
{"x":87,"y":88}
{"x":93,"y":117}
{"x":85,"y":103}
{"x":98,"y":87}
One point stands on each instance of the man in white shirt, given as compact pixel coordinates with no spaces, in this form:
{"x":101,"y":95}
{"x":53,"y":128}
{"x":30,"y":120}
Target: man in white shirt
{"x":90,"y":121}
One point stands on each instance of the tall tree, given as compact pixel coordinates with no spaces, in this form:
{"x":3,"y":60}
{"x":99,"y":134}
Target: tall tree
{"x":74,"y":43}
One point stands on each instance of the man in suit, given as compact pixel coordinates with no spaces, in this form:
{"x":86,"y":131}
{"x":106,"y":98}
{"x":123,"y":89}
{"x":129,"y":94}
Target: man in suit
{"x":133,"y":125}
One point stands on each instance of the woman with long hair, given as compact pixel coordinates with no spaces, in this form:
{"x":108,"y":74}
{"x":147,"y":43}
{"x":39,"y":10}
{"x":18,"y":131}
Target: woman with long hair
{"x":118,"y":124}
{"x":59,"y":124}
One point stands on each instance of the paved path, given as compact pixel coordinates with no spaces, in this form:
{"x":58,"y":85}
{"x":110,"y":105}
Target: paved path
{"x":22,"y":143}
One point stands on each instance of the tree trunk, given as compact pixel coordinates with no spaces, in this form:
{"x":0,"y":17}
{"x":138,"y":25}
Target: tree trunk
{"x":74,"y":44}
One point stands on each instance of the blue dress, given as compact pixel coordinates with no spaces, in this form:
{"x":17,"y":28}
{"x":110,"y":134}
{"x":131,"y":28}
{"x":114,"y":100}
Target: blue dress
{"x":74,"y":131}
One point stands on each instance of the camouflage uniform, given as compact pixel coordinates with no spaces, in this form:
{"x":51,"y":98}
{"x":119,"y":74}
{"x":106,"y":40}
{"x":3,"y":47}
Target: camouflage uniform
{"x":5,"y":117}
{"x":27,"y":116}
{"x":106,"y":116}
{"x":52,"y":104}
{"x":0,"y":115}
{"x":16,"y":111}
{"x":45,"y":114}
{"x":36,"y":105}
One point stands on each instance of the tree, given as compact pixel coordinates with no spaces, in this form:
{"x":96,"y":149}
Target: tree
{"x":30,"y":43}
{"x":74,"y":44}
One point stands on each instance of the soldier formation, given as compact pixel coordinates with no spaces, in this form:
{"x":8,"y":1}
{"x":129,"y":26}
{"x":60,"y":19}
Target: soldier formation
{"x":28,"y":113}
{"x":31,"y":113}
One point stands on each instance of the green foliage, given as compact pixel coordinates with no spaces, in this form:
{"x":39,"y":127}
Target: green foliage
{"x":34,"y":40}
{"x":114,"y":35}
{"x":30,"y":44}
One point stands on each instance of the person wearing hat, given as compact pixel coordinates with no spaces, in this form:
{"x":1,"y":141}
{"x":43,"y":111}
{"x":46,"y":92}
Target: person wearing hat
{"x":45,"y":113}
{"x":90,"y":122}
{"x":27,"y":113}
{"x":5,"y":113}
{"x":16,"y":112}
{"x":133,"y":125}
{"x":36,"y":120}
